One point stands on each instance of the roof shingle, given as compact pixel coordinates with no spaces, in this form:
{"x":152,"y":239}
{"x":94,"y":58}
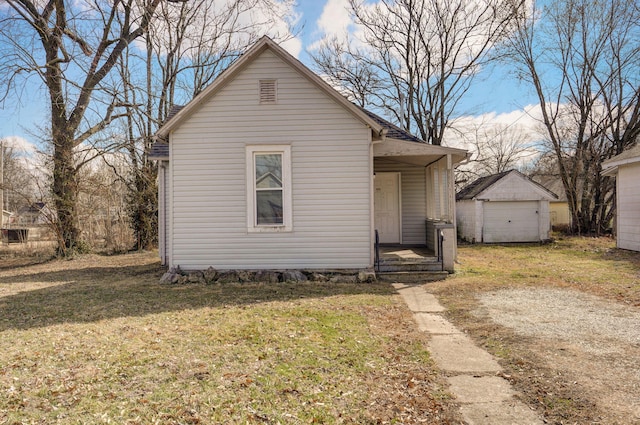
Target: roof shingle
{"x":480,"y":185}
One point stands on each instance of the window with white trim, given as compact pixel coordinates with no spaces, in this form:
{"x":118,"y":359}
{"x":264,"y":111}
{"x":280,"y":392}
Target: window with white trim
{"x":269,"y":188}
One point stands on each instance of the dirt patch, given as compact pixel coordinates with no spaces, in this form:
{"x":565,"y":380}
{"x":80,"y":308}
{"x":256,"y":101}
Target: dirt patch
{"x":591,"y":342}
{"x":562,"y":319}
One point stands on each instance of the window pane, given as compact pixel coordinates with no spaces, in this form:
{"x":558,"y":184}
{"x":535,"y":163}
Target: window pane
{"x":268,"y":171}
{"x":269,"y":207}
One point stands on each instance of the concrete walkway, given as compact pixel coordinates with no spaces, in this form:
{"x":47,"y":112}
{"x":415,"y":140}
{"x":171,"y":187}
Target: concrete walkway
{"x":484,"y":397}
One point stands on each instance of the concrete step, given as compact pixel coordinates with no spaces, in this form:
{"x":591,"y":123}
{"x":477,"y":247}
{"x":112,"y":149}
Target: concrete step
{"x":411,"y":276}
{"x":432,"y":266}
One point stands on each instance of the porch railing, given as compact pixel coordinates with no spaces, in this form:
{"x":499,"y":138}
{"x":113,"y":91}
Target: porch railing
{"x":440,"y":247}
{"x":377,"y":252}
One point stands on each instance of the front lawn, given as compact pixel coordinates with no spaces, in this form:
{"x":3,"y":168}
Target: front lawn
{"x":98,"y":340}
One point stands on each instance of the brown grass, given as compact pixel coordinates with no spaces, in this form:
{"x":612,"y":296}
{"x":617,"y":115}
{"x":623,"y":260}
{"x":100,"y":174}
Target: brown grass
{"x":98,"y":340}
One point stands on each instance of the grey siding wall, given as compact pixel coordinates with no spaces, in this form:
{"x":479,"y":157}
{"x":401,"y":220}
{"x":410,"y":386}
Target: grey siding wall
{"x":413,"y":199}
{"x":628,"y":204}
{"x":466,"y":219}
{"x":331,"y":177}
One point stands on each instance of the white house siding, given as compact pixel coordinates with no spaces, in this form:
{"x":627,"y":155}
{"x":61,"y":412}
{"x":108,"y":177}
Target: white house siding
{"x":512,"y":187}
{"x":466,"y":220}
{"x":511,"y":221}
{"x":330,"y":164}
{"x":413,"y":197}
{"x":628,"y":205}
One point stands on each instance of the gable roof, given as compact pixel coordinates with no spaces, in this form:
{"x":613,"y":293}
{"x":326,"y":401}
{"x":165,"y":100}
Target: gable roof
{"x":266,"y":43}
{"x":477,"y":187}
{"x":629,"y":156}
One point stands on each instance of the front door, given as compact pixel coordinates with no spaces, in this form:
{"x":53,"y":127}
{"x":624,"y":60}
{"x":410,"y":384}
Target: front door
{"x":387,"y":207}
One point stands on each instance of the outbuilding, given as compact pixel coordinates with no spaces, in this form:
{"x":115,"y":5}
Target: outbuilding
{"x":626,"y":169}
{"x":504,"y":207}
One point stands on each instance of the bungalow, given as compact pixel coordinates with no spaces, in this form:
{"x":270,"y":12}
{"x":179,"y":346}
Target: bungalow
{"x":626,"y":169}
{"x":271,"y":168}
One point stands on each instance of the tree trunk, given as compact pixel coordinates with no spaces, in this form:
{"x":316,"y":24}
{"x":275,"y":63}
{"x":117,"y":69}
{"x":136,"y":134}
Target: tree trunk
{"x":65,"y":191}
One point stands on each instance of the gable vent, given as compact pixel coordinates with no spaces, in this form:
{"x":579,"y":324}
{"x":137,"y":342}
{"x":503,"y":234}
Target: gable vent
{"x":267,"y":91}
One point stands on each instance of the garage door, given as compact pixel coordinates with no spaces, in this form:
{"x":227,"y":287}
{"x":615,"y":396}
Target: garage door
{"x":511,"y":222}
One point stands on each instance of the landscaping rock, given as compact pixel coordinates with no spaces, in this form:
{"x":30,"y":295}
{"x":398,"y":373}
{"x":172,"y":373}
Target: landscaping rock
{"x":267,"y":276}
{"x":294,"y":276}
{"x":245,"y":276}
{"x":341,"y":278}
{"x":196,"y":277}
{"x":169,"y":278}
{"x":366,"y":276}
{"x":318,"y":277}
{"x":210,"y":275}
{"x":230,"y":276}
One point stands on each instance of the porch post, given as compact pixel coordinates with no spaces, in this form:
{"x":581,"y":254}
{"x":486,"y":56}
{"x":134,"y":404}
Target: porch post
{"x":453,"y":236}
{"x":451,"y":191}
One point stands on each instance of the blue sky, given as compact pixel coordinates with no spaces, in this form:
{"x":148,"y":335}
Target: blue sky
{"x":495,"y":92}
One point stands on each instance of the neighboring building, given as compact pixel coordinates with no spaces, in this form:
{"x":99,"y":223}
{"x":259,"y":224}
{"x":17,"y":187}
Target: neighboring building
{"x":271,"y":168}
{"x":7,"y":218}
{"x":559,"y":213}
{"x":36,"y":214}
{"x":626,"y":169}
{"x":504,"y":207}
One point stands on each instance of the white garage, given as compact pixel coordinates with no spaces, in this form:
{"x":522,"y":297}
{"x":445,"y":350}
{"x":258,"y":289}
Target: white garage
{"x":504,"y":207}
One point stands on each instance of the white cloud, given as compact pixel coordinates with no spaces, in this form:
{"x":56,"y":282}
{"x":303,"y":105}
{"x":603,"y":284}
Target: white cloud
{"x":293,"y":46}
{"x":526,"y":120}
{"x":216,"y":26}
{"x":20,"y":145}
{"x":518,"y":133}
{"x":335,"y":18}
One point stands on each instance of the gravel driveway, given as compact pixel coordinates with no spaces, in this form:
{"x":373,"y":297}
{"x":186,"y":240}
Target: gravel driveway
{"x":593,"y":342}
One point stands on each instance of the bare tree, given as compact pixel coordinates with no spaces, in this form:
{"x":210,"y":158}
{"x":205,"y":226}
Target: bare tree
{"x":426,"y":51}
{"x":72,"y":47}
{"x":582,"y":59}
{"x":187,"y":46}
{"x":341,"y":66}
{"x":495,"y":149}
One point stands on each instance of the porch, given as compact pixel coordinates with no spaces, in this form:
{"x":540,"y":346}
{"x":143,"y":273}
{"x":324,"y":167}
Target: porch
{"x":403,"y":258}
{"x":408,"y":264}
{"x":414,"y":203}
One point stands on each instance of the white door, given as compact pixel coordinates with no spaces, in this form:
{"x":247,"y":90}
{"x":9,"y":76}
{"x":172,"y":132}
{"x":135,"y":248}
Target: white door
{"x":511,"y":222}
{"x":387,"y":207}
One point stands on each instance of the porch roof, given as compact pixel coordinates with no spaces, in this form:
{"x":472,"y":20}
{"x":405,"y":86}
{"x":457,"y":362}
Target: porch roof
{"x":414,"y":153}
